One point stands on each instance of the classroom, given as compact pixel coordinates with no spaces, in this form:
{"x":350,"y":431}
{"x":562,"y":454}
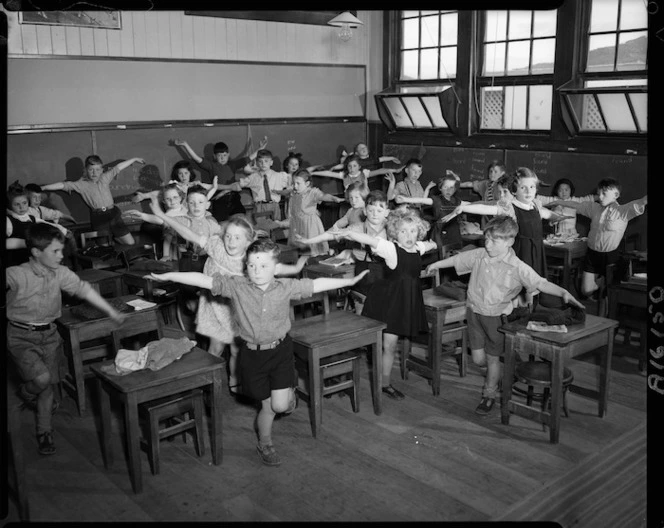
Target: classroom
{"x":191,"y":192}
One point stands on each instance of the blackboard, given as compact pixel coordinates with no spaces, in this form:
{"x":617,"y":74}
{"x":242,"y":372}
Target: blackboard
{"x":58,"y":156}
{"x":585,"y":170}
{"x":469,"y":164}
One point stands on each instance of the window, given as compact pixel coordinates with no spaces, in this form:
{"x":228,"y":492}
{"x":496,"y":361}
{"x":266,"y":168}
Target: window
{"x":611,"y":94}
{"x":517,"y":57}
{"x":428,"y":45}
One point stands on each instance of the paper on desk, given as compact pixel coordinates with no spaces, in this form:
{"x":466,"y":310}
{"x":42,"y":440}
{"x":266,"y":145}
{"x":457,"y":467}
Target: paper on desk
{"x":538,"y":326}
{"x":140,"y":304}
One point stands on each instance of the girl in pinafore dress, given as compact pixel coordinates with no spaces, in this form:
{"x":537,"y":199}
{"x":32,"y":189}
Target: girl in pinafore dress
{"x":397,"y":299}
{"x":528,"y":213}
{"x":303,"y":216}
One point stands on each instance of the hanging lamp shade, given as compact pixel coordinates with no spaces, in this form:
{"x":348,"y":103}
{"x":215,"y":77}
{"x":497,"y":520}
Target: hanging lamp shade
{"x":346,"y":18}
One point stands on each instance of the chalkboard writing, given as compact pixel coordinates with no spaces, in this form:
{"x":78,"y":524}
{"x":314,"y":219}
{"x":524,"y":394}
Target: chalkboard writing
{"x":469,"y":164}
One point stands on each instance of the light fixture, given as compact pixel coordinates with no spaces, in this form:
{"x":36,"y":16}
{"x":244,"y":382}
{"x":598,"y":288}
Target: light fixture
{"x":344,"y":22}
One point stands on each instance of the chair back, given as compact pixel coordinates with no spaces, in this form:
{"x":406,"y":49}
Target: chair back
{"x":100,"y":235}
{"x":136,"y":253}
{"x":320,"y":297}
{"x":131,"y":328}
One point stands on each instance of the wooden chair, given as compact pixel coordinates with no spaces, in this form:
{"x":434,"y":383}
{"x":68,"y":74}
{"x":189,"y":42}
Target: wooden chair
{"x":17,"y":475}
{"x":340,"y":372}
{"x":92,"y":239}
{"x":164,"y":417}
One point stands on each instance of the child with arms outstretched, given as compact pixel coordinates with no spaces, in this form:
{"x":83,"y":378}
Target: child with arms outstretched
{"x":497,"y":276}
{"x":261,"y":307}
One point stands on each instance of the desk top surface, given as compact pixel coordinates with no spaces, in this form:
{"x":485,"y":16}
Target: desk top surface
{"x":593,"y":325}
{"x":71,"y":320}
{"x":196,"y":361}
{"x":328,"y":328}
{"x":439,"y":302}
{"x":326,"y":269}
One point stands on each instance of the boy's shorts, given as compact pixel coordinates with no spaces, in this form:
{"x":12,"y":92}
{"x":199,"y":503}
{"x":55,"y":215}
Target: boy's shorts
{"x":262,"y":371}
{"x":483,"y":333}
{"x":110,"y":220}
{"x":596,"y":261}
{"x":35,"y":352}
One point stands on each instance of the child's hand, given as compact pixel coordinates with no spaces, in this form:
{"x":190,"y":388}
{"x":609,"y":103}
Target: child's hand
{"x":431,"y":269}
{"x":390,"y":177}
{"x":429,"y":186}
{"x":133,"y":213}
{"x":359,"y":277}
{"x":159,"y":277}
{"x":450,"y":216}
{"x":399,"y":199}
{"x":118,"y":318}
{"x":138,"y":197}
{"x":166,"y":258}
{"x":395,"y":160}
{"x":215,"y":182}
{"x":569,"y":299}
{"x":139,"y":160}
{"x":156,"y":208}
{"x":301,"y":261}
{"x":178,"y":142}
{"x":338,"y":199}
{"x":263,"y":143}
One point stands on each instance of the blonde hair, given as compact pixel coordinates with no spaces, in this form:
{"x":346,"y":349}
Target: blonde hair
{"x":405,"y":215}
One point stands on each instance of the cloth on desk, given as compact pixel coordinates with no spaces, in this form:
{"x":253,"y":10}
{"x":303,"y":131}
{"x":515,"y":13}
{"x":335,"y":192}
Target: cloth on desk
{"x":85,"y":311}
{"x":568,"y":315}
{"x":538,"y":326}
{"x":154,"y":356}
{"x":456,"y":290}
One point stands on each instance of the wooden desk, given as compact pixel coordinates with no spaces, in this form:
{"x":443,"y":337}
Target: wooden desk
{"x":195,"y":369}
{"x":555,"y":347}
{"x":139,"y":278}
{"x":314,"y":271}
{"x":567,"y":252}
{"x":440,"y":311}
{"x":632,"y":294}
{"x":99,"y":277}
{"x":328,"y":334}
{"x":76,"y":331}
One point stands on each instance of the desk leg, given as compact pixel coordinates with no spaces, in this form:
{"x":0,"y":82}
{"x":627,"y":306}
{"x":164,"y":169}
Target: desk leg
{"x":508,"y":377}
{"x":105,"y":408}
{"x":605,"y":373}
{"x":567,"y":270}
{"x":133,"y":442}
{"x":556,"y":396}
{"x":315,"y":382}
{"x":435,"y":349}
{"x":377,"y":374}
{"x":215,"y":428}
{"x":77,"y":364}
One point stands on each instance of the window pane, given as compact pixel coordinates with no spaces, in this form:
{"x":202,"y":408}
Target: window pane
{"x":422,"y":89}
{"x":544,"y":52}
{"x":591,"y":119}
{"x":492,"y":107}
{"x":601,"y":53}
{"x":633,"y":15}
{"x":640,"y":105}
{"x":433,"y":106}
{"x":398,"y":112}
{"x":449,"y":29}
{"x":545,"y":23}
{"x":515,"y":107}
{"x":406,"y":14}
{"x":518,"y":58}
{"x":604,"y":16}
{"x":425,"y":13}
{"x":616,"y":113}
{"x":496,"y":26}
{"x":416,"y":111}
{"x":429,"y":37}
{"x":429,"y":64}
{"x":494,"y":59}
{"x":410,"y":33}
{"x":632,"y":49}
{"x":448,"y":62}
{"x":539,"y":108}
{"x":616,"y":82}
{"x":519,"y":24}
{"x":409,"y":60}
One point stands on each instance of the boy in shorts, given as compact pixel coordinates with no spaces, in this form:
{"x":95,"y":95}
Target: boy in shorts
{"x":34,"y":301}
{"x":497,"y":276}
{"x":261,"y":306}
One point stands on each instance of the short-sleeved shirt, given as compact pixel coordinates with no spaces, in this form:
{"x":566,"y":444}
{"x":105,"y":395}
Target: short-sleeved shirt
{"x":277,"y":181}
{"x":262,"y":316}
{"x":34,"y":291}
{"x":409,"y":189}
{"x":494,"y":282}
{"x":206,"y":226}
{"x":359,"y":251}
{"x":608,"y":224}
{"x":352,"y":216}
{"x":96,"y":194}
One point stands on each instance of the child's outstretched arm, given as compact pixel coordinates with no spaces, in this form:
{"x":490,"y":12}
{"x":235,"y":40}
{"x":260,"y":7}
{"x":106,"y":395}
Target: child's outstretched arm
{"x":392,"y":182}
{"x":96,"y":300}
{"x":291,"y":269}
{"x":212,"y":189}
{"x":124,"y":164}
{"x":472,"y":208}
{"x":325,"y":283}
{"x":379,"y":172}
{"x":57,"y":186}
{"x":151,"y":219}
{"x":140,"y":196}
{"x":190,"y":151}
{"x":176,"y":226}
{"x":189,"y":278}
{"x":261,"y":145}
{"x":383,"y":159}
{"x":445,"y":263}
{"x":331,"y":198}
{"x":554,"y":289}
{"x":362,"y":238}
{"x":323,"y":237}
{"x":329,"y":174}
{"x":425,"y":200}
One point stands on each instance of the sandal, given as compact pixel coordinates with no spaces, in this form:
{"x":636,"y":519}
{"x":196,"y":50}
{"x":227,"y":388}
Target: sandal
{"x":393,"y":393}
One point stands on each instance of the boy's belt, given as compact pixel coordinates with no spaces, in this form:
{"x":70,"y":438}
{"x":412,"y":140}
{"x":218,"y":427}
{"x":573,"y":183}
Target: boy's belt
{"x":103,"y":209}
{"x":30,"y":326}
{"x":266,"y":346}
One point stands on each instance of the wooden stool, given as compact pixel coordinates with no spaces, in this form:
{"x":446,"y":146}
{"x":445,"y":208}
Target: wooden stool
{"x":451,"y":333}
{"x":338,"y":365}
{"x":171,"y":411}
{"x":538,"y":373}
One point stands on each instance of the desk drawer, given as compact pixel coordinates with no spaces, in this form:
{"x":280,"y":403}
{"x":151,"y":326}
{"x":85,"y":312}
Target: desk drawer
{"x":454,"y":315}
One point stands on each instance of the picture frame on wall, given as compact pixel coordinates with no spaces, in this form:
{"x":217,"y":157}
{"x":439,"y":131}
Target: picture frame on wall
{"x":92,"y":19}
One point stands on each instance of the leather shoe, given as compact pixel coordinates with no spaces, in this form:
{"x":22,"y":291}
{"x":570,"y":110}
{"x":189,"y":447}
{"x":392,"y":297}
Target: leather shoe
{"x":393,"y":393}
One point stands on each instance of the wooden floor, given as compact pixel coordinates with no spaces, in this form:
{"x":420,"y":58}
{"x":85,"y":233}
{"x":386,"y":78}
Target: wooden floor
{"x":425,"y":458}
